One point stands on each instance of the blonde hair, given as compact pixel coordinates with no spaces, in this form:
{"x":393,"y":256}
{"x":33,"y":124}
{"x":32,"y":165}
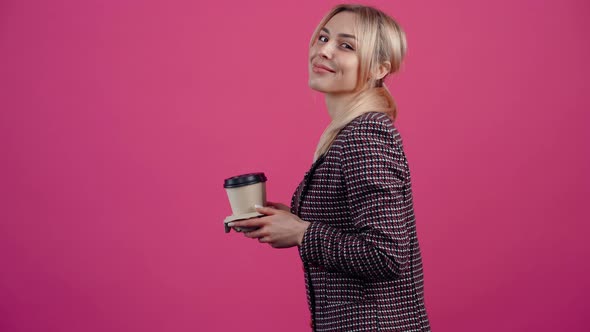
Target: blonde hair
{"x":379,"y":38}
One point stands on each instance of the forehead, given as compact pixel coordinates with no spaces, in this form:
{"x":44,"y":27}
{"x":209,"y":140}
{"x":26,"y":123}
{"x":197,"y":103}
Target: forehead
{"x":342,"y":22}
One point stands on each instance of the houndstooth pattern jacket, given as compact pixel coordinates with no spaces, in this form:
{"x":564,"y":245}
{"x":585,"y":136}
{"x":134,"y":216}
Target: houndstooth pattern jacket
{"x":362,"y":262}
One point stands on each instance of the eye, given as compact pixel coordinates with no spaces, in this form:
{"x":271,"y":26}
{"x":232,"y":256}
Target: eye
{"x":323,"y":39}
{"x":348,"y":46}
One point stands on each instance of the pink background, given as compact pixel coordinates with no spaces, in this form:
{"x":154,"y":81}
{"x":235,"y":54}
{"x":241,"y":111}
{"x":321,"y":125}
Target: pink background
{"x":119,"y":121}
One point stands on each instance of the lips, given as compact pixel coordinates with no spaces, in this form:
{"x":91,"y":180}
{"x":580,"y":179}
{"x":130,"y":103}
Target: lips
{"x":320,"y":67}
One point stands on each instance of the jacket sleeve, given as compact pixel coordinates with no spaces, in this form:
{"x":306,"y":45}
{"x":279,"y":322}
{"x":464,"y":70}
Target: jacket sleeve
{"x":374,"y":170}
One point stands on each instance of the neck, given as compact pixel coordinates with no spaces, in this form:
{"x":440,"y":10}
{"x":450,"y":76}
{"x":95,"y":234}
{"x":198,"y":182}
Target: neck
{"x":337,"y":103}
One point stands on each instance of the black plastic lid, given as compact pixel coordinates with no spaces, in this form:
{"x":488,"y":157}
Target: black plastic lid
{"x":244,"y":180}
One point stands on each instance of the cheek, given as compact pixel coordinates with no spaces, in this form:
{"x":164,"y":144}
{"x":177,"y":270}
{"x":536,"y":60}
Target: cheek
{"x":352,"y":70}
{"x":312,"y":51}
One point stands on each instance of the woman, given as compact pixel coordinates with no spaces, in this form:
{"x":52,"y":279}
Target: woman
{"x":352,"y":216}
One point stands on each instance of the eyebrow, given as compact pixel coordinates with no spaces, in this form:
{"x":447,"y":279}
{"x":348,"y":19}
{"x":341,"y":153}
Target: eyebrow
{"x":345,"y":35}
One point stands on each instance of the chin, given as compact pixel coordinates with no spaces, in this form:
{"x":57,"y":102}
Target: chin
{"x":315,"y":86}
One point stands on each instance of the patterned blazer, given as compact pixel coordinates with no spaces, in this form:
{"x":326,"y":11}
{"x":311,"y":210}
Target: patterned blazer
{"x":362,"y":262}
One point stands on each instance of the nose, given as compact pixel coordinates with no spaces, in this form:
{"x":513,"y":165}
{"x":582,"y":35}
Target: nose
{"x":326,"y":50}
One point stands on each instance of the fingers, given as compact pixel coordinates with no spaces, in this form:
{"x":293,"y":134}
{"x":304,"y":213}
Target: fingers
{"x":269,"y":211}
{"x":274,"y":204}
{"x":254,"y":222}
{"x":262,"y":235}
{"x":261,"y":232}
{"x":279,"y":206}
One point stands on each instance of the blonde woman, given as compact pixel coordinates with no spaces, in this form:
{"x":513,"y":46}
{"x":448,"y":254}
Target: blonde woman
{"x":352,"y":215}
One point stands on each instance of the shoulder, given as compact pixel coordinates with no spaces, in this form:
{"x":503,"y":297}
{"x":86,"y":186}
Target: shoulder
{"x":370,"y":144}
{"x":371,"y":126}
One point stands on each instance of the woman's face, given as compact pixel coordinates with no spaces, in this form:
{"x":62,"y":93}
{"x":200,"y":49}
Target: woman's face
{"x":333,"y":60}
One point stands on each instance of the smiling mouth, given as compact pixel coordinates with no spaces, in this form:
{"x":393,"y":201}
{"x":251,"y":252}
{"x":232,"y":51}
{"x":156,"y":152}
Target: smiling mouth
{"x":321,"y":69}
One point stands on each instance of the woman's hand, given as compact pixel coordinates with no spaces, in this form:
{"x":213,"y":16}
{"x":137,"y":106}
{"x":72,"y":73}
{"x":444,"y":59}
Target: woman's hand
{"x":278,"y":206}
{"x":279,"y":227}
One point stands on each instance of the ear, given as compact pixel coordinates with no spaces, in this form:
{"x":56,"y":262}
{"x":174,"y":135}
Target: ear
{"x":383,"y":70}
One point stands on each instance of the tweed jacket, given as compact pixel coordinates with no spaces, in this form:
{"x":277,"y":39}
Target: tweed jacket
{"x":362,"y":262}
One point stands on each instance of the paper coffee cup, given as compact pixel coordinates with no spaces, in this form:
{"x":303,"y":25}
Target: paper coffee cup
{"x":244,"y":191}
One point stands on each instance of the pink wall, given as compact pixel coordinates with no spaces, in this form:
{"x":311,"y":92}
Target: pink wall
{"x":119,"y":121}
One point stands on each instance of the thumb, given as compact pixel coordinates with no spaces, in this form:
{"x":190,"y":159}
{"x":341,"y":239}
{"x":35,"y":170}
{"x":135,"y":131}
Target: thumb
{"x":265,"y":210}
